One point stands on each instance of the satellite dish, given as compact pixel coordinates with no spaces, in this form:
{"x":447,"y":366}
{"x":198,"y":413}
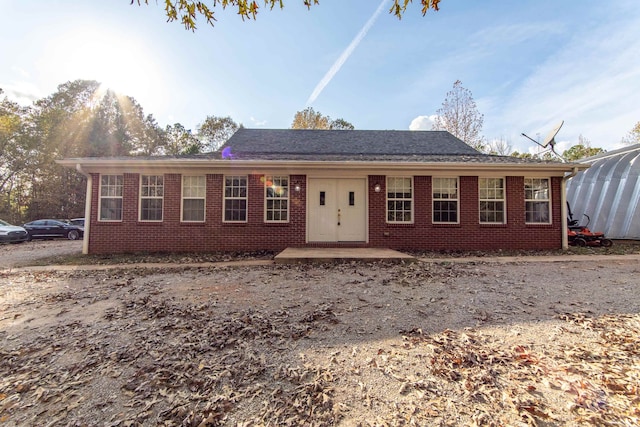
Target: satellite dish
{"x":549,"y":140}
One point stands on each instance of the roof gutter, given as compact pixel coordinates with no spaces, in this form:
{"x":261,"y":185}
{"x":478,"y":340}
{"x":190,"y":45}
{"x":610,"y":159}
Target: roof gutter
{"x":95,"y":165}
{"x":87,"y":209}
{"x":563,"y":207}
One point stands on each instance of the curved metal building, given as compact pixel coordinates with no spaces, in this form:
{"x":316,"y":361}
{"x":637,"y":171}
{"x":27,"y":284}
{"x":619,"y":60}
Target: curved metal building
{"x":609,"y":193}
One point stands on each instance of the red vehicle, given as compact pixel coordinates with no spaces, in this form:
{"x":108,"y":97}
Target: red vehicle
{"x":580,"y":235}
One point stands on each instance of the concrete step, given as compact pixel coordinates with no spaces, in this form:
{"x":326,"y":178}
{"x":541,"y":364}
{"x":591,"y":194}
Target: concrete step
{"x":323,"y":255}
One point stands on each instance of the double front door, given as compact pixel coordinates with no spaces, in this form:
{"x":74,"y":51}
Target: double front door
{"x":337,"y":210}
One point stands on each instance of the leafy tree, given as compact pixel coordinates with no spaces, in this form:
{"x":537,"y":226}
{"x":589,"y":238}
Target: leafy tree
{"x":152,"y":139}
{"x":581,"y":150}
{"x":215,"y":131}
{"x":633,"y":137}
{"x":80,"y":119}
{"x":188,"y":11}
{"x":15,"y":155}
{"x":179,"y":140}
{"x":460,"y":117}
{"x":520,"y":155}
{"x":311,"y":119}
{"x":546,"y":156}
{"x":341,"y":124}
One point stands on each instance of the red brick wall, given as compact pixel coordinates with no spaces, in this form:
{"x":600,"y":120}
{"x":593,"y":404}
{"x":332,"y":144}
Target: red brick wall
{"x":469,"y":234}
{"x":171,"y":235}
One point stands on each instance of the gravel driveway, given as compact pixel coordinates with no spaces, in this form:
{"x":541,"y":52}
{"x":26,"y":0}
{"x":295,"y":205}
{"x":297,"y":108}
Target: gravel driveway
{"x":347,"y":344}
{"x":13,"y":255}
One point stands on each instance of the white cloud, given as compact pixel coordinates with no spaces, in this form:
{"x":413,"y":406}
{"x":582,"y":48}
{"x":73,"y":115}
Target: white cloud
{"x":588,"y":82}
{"x":257,"y":122}
{"x":23,"y":93}
{"x":423,"y":122}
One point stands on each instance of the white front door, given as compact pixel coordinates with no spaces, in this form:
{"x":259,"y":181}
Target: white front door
{"x":337,"y":210}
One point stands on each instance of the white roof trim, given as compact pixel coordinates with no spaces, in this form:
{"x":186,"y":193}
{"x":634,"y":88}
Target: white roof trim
{"x":102,"y":165}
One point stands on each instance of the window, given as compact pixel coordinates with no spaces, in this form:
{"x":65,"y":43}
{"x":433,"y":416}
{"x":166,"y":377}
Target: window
{"x":400,"y":200}
{"x":491,"y":195}
{"x":111,"y":197}
{"x":151,"y":196}
{"x":445,"y":200}
{"x":276,"y":190}
{"x":235,"y":198}
{"x":537,"y":201}
{"x":194,"y":189}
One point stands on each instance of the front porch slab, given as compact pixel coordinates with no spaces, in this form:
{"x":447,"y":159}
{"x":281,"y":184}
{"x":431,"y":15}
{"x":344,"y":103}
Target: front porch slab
{"x":322,"y":255}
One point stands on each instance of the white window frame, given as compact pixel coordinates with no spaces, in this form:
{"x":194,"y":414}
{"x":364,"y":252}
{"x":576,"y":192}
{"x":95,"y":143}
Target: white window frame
{"x":490,"y":194}
{"x":200,"y":194}
{"x":155,"y":196}
{"x":279,"y":193}
{"x":403,"y":199}
{"x":447,"y":199}
{"x":232,"y":197}
{"x":112,"y":194}
{"x":531,"y":182}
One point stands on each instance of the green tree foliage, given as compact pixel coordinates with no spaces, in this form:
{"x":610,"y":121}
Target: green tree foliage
{"x":179,"y":140}
{"x":341,"y":124}
{"x":311,"y":119}
{"x":215,"y":131}
{"x":188,"y":11}
{"x":459,"y":116}
{"x":633,"y":137}
{"x":80,"y":119}
{"x":546,"y":156}
{"x":16,"y":147}
{"x":581,"y":150}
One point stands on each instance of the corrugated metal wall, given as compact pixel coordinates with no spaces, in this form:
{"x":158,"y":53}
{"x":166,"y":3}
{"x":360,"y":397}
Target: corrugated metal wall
{"x":609,"y":192}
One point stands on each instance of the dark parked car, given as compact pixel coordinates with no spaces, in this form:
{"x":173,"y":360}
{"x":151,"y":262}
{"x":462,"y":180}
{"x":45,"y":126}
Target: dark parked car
{"x":77,"y":221}
{"x":12,"y":233}
{"x":51,"y":228}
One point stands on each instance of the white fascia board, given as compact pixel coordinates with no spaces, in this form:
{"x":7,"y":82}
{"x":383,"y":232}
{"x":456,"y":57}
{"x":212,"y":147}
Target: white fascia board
{"x":208,"y":166}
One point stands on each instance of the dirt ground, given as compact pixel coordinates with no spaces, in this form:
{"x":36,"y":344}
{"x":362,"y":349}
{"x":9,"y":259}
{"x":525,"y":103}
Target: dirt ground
{"x":350,"y":344}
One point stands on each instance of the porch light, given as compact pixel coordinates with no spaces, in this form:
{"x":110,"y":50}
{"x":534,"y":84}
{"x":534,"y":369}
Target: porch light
{"x":377,"y":188}
{"x":297,"y":188}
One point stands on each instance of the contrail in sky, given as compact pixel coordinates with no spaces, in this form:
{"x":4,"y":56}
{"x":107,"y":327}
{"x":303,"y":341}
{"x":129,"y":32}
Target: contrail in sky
{"x":345,"y":55}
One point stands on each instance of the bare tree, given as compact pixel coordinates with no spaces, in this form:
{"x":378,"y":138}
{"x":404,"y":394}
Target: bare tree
{"x":633,"y":137}
{"x":459,"y":116}
{"x":500,"y":147}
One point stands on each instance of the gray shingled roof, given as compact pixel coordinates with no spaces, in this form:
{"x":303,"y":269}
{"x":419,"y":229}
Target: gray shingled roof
{"x":304,"y":143}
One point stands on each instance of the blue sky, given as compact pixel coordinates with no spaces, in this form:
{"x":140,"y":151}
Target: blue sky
{"x":528,"y":64}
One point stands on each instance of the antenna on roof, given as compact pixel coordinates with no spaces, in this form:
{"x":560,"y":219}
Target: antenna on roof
{"x":549,"y":140}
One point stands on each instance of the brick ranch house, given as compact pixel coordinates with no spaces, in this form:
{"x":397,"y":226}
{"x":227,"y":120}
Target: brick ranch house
{"x":273,"y":189}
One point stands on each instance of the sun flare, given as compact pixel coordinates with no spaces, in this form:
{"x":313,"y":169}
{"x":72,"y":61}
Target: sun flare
{"x":119,"y":62}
